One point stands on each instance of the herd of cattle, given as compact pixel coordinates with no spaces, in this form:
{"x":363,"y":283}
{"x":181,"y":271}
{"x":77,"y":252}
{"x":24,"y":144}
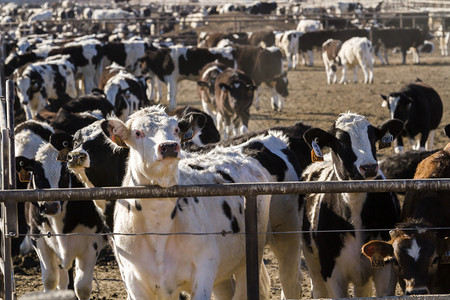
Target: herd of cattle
{"x":86,"y":116}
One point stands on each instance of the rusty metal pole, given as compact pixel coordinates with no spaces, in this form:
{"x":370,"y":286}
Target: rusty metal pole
{"x":251,"y":246}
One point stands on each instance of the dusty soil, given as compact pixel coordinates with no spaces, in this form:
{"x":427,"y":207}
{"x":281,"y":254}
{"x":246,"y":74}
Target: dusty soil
{"x":311,"y":101}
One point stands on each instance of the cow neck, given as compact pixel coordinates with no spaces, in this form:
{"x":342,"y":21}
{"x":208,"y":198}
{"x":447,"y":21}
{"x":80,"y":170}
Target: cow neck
{"x":162,"y":181}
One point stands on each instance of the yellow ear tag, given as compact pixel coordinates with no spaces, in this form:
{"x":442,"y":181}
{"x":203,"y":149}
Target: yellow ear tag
{"x":118,"y":141}
{"x":316,"y":153}
{"x":377,"y":261}
{"x":386,"y":141}
{"x":24,"y":176}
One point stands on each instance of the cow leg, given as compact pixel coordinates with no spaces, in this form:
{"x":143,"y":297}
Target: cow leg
{"x":403,"y":56}
{"x":318,"y":286}
{"x":276,"y":100}
{"x":337,"y":285}
{"x":172,"y":94}
{"x":430,"y":142}
{"x":207,"y":107}
{"x":363,"y":290}
{"x":241,"y":284}
{"x":422,"y":145}
{"x":84,"y":272}
{"x":385,"y":281}
{"x":257,"y":97}
{"x":355,"y":74}
{"x":310,"y":58}
{"x":344,"y":74}
{"x":386,"y":55}
{"x":224,"y":289}
{"x":398,"y":144}
{"x":64,"y":280}
{"x":415,"y":54}
{"x":49,"y":265}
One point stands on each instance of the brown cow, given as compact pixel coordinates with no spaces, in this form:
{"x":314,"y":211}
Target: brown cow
{"x":420,"y":251}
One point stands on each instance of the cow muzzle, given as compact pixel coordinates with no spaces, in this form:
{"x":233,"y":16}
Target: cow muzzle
{"x":77,"y":159}
{"x":368,"y":170}
{"x":417,"y":291}
{"x":168,"y":150}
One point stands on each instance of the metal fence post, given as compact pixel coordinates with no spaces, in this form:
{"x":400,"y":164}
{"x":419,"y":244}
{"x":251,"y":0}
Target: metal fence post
{"x":251,"y":247}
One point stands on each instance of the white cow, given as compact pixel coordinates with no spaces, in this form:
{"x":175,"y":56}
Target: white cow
{"x":170,"y":264}
{"x":356,"y":51}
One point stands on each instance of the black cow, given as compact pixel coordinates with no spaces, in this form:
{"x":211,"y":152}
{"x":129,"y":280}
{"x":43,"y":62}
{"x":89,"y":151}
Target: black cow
{"x":419,"y":106}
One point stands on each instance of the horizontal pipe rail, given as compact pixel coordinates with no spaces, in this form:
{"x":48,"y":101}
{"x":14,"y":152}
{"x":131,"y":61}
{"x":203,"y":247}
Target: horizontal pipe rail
{"x":351,"y":186}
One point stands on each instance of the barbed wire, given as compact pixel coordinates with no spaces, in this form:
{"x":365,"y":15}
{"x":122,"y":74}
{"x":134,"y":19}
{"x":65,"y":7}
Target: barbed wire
{"x":223,"y":232}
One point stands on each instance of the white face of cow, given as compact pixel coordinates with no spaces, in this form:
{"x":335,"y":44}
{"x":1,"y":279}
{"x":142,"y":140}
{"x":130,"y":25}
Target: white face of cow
{"x":154,"y":145}
{"x":356,"y":132}
{"x":391,"y":102}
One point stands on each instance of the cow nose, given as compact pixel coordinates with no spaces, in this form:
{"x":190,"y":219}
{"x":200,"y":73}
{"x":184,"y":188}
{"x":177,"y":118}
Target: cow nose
{"x":76,"y":158}
{"x":417,"y":291}
{"x":368,"y":170}
{"x":168,"y":150}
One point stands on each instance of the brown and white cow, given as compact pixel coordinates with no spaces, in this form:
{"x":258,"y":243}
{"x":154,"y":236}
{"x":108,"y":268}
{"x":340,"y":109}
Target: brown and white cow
{"x":420,"y":245}
{"x":330,"y":50}
{"x":234,"y":91}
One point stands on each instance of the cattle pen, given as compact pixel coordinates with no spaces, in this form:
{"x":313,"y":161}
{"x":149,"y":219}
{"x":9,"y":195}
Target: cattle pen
{"x":9,"y":197}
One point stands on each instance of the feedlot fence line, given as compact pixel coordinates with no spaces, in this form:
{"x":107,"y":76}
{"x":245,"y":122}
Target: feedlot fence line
{"x":248,"y":190}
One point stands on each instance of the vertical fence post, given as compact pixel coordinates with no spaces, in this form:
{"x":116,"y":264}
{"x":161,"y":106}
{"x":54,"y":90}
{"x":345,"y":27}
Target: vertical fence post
{"x":251,"y":247}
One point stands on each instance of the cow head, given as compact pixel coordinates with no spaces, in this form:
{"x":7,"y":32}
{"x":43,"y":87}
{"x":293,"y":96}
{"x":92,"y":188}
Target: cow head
{"x":126,"y":94}
{"x":398,"y":104}
{"x":417,"y":253}
{"x":153,"y":139}
{"x":31,"y":90}
{"x":352,"y":141}
{"x":196,"y":126}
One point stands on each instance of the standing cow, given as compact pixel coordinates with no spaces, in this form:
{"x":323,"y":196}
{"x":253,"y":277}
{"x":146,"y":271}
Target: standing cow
{"x":419,"y":251}
{"x":41,"y":83}
{"x":330,"y":50}
{"x":419,"y":106}
{"x":334,"y":223}
{"x":356,"y":51}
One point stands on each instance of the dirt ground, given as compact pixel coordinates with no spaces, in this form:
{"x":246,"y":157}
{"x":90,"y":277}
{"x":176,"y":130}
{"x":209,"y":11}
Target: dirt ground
{"x":311,"y":101}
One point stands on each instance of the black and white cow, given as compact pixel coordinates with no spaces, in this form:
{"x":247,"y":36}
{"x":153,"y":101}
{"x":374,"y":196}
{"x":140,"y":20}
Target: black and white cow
{"x":330,"y":50}
{"x":41,"y":83}
{"x":287,"y":41}
{"x":264,"y":66}
{"x":419,"y":251}
{"x":335,"y":222}
{"x":179,"y":62}
{"x":215,"y":263}
{"x":58,"y":253}
{"x":123,"y":90}
{"x":419,"y":106}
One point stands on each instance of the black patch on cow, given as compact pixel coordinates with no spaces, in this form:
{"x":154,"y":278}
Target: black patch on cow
{"x":34,"y":127}
{"x":293,"y":160}
{"x":240,"y":208}
{"x":195,"y":199}
{"x":159,"y":62}
{"x":59,"y":83}
{"x":273,"y":163}
{"x":185,"y":200}
{"x":81,"y":213}
{"x":40,"y":180}
{"x":95,"y":246}
{"x":177,"y":207}
{"x":128,"y":207}
{"x":196,"y":167}
{"x":138,"y":205}
{"x":225,"y":176}
{"x":234,"y":225}
{"x":227,"y":210}
{"x":19,"y":61}
{"x":115,"y":52}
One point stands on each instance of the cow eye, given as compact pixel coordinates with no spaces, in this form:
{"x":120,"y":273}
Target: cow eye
{"x":139,"y":134}
{"x":435,"y":260}
{"x":21,"y":163}
{"x":65,"y":144}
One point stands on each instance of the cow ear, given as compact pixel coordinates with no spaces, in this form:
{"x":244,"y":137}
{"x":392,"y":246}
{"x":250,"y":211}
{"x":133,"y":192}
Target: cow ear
{"x":116,"y":130}
{"x":385,"y":101}
{"x":392,"y":126}
{"x":203,"y":84}
{"x":224,"y":87}
{"x":378,"y":252}
{"x":321,"y":137}
{"x":447,"y":130}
